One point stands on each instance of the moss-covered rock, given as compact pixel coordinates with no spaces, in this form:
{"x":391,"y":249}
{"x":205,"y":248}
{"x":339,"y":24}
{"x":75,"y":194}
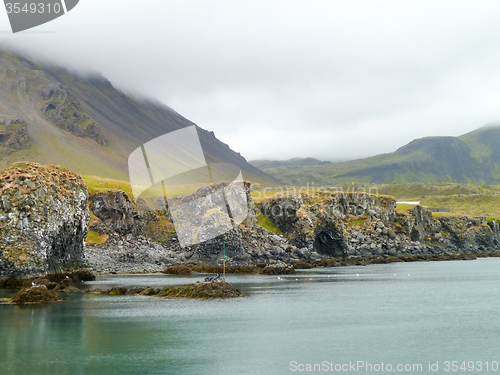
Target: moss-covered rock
{"x":35,"y":294}
{"x":210,"y":290}
{"x":118,"y":291}
{"x":43,"y":219}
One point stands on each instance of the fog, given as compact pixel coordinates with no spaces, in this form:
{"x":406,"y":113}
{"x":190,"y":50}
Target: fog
{"x":335,"y":80}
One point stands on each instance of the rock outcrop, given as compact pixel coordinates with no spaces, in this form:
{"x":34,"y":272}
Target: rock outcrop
{"x":43,"y":219}
{"x":359,"y":224}
{"x":134,"y":242}
{"x":116,"y":213}
{"x":13,"y":135}
{"x":64,"y":110}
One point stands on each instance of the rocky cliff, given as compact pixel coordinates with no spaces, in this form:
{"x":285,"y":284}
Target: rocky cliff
{"x":43,"y":219}
{"x":351,"y":224}
{"x":141,"y":237}
{"x":46,"y":214}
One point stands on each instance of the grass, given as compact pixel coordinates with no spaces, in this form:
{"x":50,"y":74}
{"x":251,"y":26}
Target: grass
{"x":94,"y":238}
{"x":266,"y":223}
{"x":447,"y":214}
{"x":160,"y":230}
{"x":485,"y":204}
{"x":353,"y":221}
{"x":462,"y":199}
{"x":97,"y":184}
{"x":404,"y":207}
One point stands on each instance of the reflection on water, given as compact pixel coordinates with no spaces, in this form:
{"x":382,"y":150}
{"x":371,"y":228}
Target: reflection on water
{"x":395,"y":313}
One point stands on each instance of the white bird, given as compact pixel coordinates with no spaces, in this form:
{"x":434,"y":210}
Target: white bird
{"x":33,"y":284}
{"x":279,"y":278}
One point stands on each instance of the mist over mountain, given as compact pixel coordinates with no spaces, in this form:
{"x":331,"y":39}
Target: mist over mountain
{"x":51,"y":115}
{"x":471,"y":158}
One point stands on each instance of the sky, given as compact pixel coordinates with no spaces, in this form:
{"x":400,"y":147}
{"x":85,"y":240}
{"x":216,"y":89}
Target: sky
{"x":334,"y":80}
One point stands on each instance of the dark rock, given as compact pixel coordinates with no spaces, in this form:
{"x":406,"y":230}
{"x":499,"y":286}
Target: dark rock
{"x":117,"y":212}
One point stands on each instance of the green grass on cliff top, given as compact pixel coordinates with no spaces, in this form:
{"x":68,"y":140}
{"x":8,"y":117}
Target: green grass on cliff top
{"x":97,"y":184}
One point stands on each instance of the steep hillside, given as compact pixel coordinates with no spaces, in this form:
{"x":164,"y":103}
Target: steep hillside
{"x":53,"y":116}
{"x":471,"y":158}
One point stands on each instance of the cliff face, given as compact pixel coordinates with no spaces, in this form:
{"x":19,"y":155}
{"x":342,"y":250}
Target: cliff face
{"x":341,"y":224}
{"x":43,"y":219}
{"x":116,"y":213}
{"x":143,"y":237}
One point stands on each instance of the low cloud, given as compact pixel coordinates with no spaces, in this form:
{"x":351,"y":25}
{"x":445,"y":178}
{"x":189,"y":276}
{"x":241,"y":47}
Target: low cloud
{"x":334,"y":80}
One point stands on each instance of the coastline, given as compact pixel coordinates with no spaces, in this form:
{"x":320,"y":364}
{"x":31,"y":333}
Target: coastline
{"x":204,"y":268}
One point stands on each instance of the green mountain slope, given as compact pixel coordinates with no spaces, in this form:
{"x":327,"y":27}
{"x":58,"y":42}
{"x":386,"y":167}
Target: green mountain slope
{"x":85,"y":124}
{"x":471,"y":158}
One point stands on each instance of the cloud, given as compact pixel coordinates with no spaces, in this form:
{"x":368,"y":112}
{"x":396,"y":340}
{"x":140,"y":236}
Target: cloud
{"x":277,"y":79}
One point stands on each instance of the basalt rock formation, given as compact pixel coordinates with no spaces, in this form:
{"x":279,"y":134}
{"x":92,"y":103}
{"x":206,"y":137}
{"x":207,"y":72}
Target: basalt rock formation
{"x":135,"y":238}
{"x":342,"y":224}
{"x":116,"y":213}
{"x":43,"y":219}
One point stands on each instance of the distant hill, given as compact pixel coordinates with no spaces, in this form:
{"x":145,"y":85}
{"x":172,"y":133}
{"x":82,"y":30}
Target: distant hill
{"x":295,"y":162}
{"x":471,"y":158}
{"x":53,"y":116}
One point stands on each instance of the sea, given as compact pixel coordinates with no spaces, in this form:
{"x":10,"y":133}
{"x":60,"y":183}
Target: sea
{"x":402,"y":318}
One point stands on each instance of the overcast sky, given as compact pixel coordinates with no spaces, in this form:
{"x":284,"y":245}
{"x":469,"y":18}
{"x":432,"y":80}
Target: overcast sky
{"x":335,"y":80}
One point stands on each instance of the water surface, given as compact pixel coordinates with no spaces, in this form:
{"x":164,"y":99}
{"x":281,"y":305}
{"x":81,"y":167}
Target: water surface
{"x":400,"y":313}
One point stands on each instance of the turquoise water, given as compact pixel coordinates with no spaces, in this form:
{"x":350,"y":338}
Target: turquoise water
{"x":405,"y":314}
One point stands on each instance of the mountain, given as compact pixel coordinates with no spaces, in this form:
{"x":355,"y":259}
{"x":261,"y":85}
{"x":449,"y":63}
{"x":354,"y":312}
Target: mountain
{"x":51,"y":115}
{"x":295,"y":162}
{"x":471,"y":158}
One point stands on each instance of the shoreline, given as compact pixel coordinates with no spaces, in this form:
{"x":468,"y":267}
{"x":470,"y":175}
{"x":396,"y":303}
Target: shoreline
{"x":205,"y":268}
{"x":277,"y":267}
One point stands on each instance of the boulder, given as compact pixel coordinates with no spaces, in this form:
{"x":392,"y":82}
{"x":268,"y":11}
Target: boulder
{"x":43,"y":219}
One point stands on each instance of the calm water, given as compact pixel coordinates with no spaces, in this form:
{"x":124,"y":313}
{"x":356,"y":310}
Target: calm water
{"x":396,"y":314}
